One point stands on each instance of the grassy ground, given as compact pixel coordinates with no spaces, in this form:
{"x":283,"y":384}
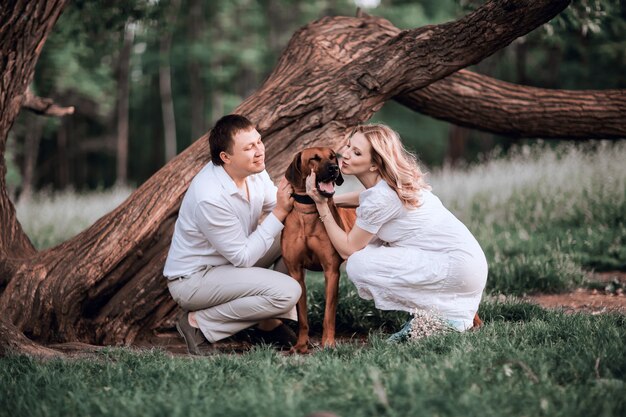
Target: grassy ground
{"x":544,"y":217}
{"x":525,"y":361}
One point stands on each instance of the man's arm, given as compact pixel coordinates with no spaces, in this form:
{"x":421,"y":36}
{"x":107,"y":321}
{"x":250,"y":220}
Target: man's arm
{"x":222,"y":229}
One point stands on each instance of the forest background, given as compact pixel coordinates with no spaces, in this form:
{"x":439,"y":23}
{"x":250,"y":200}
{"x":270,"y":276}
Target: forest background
{"x":149,"y":77}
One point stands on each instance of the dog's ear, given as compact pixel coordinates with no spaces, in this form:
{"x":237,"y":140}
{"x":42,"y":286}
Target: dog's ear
{"x":294,"y":171}
{"x":339,"y":180}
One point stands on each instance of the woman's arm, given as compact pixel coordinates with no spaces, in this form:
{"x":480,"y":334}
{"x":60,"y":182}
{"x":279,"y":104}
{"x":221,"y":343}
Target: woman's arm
{"x":345,"y":243}
{"x":347,"y":200}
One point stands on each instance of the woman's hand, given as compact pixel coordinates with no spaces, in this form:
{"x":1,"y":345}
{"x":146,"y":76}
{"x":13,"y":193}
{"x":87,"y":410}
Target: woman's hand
{"x":313,"y":192}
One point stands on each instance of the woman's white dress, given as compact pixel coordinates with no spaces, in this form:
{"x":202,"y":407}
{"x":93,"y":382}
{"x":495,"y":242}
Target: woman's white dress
{"x":422,"y":258}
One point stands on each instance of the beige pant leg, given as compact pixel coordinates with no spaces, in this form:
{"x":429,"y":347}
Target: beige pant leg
{"x":227,"y":299}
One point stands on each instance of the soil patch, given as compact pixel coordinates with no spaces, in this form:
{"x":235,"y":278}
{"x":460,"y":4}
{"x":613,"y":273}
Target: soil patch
{"x":604,"y":293}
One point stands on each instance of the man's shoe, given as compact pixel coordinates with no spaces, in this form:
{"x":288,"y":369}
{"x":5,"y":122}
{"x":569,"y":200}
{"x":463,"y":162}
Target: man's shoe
{"x":195,"y":340}
{"x":281,"y":336}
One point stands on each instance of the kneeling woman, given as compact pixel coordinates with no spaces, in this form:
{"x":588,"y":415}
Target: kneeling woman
{"x":406,"y":251}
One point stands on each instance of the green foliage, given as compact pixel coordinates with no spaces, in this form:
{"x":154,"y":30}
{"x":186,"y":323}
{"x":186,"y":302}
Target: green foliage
{"x":354,"y":315}
{"x":238,"y":45}
{"x":525,"y":361}
{"x":81,"y":51}
{"x":410,"y":14}
{"x":419,"y":133}
{"x":542,"y":215}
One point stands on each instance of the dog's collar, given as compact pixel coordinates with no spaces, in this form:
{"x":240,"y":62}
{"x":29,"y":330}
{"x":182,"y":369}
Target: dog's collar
{"x":302,"y":199}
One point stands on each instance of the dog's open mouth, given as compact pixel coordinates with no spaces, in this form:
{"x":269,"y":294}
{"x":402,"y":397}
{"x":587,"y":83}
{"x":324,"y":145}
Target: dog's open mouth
{"x":326,"y":186}
{"x":327,"y":189}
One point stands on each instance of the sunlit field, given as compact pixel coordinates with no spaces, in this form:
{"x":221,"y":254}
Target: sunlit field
{"x":51,"y":218}
{"x":545,"y":218}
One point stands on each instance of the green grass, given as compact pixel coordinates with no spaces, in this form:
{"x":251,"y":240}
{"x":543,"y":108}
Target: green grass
{"x":525,"y":361}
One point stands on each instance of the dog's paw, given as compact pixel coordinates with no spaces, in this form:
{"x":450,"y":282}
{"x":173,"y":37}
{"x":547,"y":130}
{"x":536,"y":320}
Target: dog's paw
{"x":328,"y":344}
{"x":299,"y":349}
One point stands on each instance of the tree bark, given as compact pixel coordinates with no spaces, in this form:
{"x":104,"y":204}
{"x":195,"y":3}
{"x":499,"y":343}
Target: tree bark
{"x":519,"y":111}
{"x":24,"y":28}
{"x":21,"y":41}
{"x":44,"y":106}
{"x":104,"y":286}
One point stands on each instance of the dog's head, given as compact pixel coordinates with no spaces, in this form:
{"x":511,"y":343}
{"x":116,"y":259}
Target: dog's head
{"x":322,"y":161}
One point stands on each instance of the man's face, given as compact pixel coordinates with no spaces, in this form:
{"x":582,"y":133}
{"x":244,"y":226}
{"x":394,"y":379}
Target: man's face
{"x":248,"y":153}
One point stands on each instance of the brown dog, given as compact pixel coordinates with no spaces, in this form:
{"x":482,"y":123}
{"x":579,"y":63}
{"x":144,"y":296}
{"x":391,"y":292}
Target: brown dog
{"x":305,"y":243}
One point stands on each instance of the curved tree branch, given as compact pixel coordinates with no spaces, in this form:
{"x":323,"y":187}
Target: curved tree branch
{"x":14,"y":341}
{"x":477,"y":101}
{"x":44,"y":106}
{"x":416,"y":58}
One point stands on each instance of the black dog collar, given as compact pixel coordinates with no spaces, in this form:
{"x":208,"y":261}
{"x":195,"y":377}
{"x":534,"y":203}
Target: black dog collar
{"x":302,"y":199}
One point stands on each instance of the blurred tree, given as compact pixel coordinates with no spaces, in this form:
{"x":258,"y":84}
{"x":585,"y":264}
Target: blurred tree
{"x":165,"y":79}
{"x":197,"y":27}
{"x":123,"y":92}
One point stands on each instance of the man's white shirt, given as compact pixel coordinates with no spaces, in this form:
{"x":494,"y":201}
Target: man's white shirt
{"x":217,"y":225}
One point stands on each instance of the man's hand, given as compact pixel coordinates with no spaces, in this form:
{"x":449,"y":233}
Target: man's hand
{"x":284,"y":200}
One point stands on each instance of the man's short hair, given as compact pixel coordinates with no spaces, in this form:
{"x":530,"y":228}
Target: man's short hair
{"x":222,"y":134}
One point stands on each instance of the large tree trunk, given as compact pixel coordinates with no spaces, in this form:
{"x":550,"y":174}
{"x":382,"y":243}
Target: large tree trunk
{"x":480,"y":102}
{"x":105,"y":286}
{"x":21,"y":41}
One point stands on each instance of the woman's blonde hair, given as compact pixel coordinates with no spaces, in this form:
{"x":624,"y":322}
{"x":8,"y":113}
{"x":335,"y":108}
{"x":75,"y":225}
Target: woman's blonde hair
{"x":397,"y":166}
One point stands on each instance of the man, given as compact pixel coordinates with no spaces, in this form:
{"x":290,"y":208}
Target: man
{"x":216,"y":265}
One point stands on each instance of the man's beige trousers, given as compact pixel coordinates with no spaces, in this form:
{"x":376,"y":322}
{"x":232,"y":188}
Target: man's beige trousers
{"x":227,"y":299}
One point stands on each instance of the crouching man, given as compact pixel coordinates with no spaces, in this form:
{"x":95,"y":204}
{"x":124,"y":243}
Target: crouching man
{"x":217,"y":263}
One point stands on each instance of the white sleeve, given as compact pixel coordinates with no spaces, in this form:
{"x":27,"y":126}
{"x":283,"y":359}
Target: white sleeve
{"x":377,"y":208}
{"x":222,"y":229}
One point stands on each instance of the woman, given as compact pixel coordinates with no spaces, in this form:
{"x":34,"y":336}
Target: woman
{"x":406,"y":251}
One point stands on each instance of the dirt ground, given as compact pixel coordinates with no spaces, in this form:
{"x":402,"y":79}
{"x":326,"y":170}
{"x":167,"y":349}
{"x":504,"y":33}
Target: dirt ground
{"x":606,"y":296}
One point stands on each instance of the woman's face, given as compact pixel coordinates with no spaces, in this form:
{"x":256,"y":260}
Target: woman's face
{"x":356,"y":155}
